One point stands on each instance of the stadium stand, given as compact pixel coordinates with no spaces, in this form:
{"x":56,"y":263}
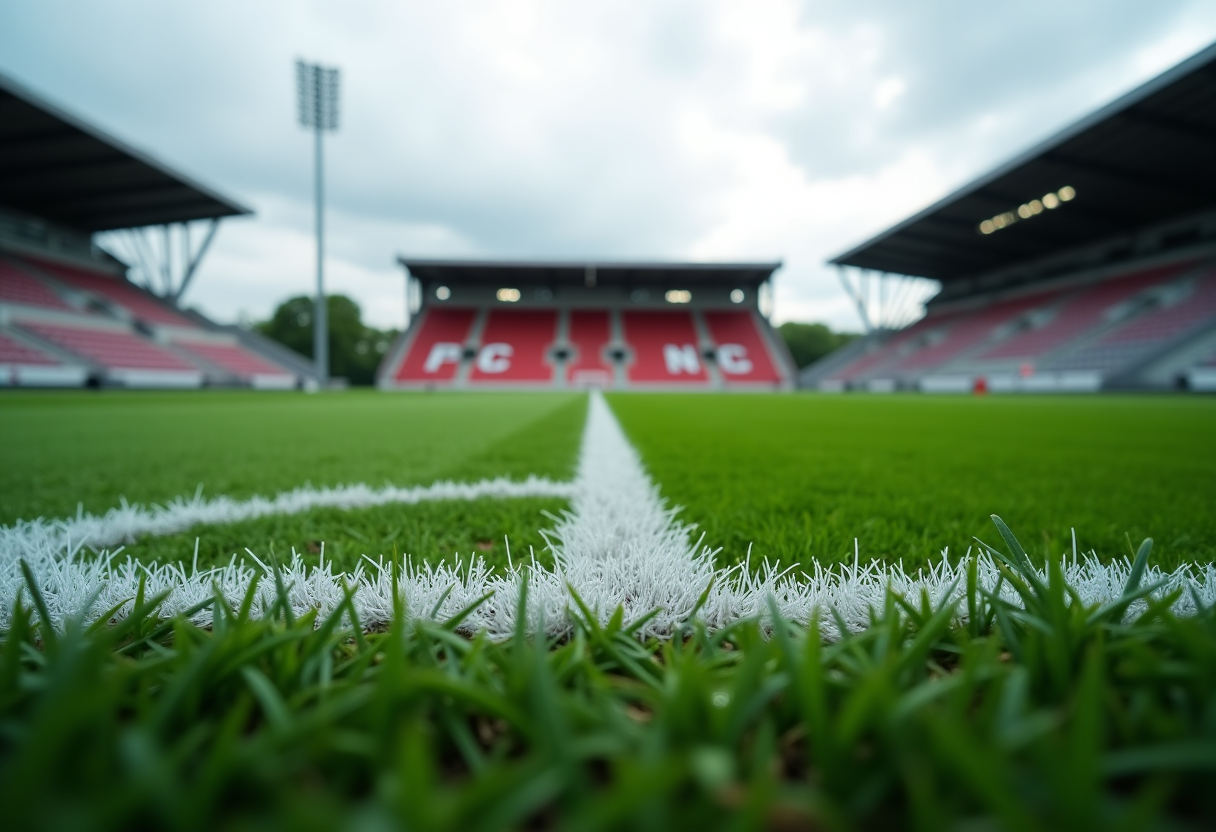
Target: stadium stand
{"x":589,"y":334}
{"x":1103,"y":277}
{"x":741,"y":353}
{"x":222,"y":353}
{"x":606,"y":325}
{"x":1081,"y":313}
{"x":25,"y":365}
{"x":135,"y":302}
{"x":437,"y":347}
{"x":17,"y":286}
{"x":966,"y":331}
{"x":514,"y":346}
{"x":110,"y":348}
{"x":665,"y":347}
{"x":65,"y":300}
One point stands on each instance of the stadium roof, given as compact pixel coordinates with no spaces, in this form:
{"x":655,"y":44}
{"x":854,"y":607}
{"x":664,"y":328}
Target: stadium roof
{"x":55,"y":166}
{"x":1147,"y":158}
{"x":526,"y":272}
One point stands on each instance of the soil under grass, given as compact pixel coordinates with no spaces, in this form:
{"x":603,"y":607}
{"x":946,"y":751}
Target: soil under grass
{"x":799,"y":477}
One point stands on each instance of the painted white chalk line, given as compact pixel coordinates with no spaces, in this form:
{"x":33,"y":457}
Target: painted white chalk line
{"x":617,"y":545}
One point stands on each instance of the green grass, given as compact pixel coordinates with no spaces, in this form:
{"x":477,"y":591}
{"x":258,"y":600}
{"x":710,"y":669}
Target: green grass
{"x":60,"y":449}
{"x":1045,"y":716}
{"x":801,"y":476}
{"x":1054,"y":716}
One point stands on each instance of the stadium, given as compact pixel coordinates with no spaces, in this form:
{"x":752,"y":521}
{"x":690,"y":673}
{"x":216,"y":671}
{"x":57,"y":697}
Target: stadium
{"x":1084,"y":264}
{"x":594,"y":553}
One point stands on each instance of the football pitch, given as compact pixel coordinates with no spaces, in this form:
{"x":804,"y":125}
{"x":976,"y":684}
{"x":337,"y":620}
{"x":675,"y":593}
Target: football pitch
{"x":610,"y":672}
{"x":798,"y":479}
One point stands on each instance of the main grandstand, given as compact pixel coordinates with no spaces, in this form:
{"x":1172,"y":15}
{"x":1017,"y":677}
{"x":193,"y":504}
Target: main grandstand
{"x":69,"y":315}
{"x":1087,"y":263}
{"x":520,"y":325}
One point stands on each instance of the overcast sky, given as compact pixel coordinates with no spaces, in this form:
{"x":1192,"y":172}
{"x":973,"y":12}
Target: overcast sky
{"x":617,"y":130}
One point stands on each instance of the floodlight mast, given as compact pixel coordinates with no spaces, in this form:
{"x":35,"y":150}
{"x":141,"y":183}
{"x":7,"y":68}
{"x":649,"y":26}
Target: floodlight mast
{"x":317,"y":88}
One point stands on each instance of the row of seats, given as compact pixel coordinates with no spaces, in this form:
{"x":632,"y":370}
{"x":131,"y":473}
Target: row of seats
{"x":113,"y":349}
{"x":1055,"y":329}
{"x":1144,"y":334}
{"x":139,"y":304}
{"x":18,"y":286}
{"x":16,"y":353}
{"x":658,"y":347}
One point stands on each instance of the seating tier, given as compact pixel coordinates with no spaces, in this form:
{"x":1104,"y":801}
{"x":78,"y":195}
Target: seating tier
{"x":1080,"y":314}
{"x":590,"y":332}
{"x":514,"y":345}
{"x":665,"y":347}
{"x":741,"y":353}
{"x":111,"y":349}
{"x":140,"y":304}
{"x":437,"y":349}
{"x":231,"y":357}
{"x":15,"y":352}
{"x":18,"y":287}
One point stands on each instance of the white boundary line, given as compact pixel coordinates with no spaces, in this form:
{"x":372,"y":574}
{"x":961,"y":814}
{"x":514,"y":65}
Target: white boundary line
{"x":617,"y":545}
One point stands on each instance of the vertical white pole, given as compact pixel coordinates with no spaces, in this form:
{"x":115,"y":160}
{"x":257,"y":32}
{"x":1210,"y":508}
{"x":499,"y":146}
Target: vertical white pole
{"x":320,"y":310}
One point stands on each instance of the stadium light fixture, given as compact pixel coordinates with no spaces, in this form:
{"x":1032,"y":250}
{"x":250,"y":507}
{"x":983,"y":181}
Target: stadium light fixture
{"x":1028,"y":209}
{"x":508,"y":295}
{"x":678,"y":296}
{"x":736,"y":296}
{"x":317,"y":93}
{"x":443,"y":293}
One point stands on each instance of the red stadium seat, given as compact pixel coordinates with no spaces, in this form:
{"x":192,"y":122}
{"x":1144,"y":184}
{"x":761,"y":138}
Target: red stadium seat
{"x":972,"y":329}
{"x":1168,"y":322}
{"x":665,"y":347}
{"x":514,"y":345}
{"x":231,"y":357}
{"x":590,"y":332}
{"x":139,"y":303}
{"x":742,"y":353}
{"x":112,"y":349}
{"x":1080,"y":314}
{"x":14,"y":352}
{"x":435,"y":353}
{"x":18,"y":287}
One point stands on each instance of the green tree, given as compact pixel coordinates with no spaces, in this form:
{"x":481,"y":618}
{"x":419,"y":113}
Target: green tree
{"x":810,"y":342}
{"x":355,"y":349}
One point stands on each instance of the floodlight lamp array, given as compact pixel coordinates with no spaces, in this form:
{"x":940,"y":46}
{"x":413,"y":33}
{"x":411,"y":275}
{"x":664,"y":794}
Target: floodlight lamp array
{"x":317,"y":96}
{"x":1029,"y":209}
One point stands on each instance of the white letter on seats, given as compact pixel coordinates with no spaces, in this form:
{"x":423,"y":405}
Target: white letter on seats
{"x":493,"y":358}
{"x":681,"y":359}
{"x":442,"y":352}
{"x":733,"y":360}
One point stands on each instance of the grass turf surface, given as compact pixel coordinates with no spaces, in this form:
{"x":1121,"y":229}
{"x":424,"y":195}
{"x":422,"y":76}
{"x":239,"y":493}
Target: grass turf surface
{"x":1047,"y":715}
{"x":801,"y":476}
{"x":60,"y":449}
{"x":1052,"y":716}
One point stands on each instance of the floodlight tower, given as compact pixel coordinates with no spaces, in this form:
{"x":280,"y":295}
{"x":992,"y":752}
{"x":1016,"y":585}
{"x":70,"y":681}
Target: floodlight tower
{"x":317,"y":89}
